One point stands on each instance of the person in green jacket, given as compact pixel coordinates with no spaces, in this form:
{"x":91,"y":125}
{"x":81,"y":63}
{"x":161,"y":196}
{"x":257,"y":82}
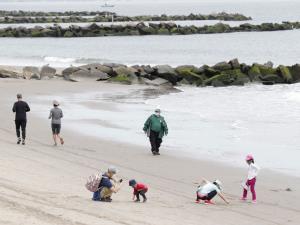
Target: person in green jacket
{"x":156,"y":127}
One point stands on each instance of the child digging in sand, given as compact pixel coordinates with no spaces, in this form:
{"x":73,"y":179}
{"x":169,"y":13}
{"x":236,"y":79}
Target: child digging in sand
{"x":138,"y":189}
{"x":208,"y":190}
{"x":251,"y":179}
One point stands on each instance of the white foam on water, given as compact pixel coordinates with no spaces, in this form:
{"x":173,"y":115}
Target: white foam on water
{"x":53,"y":59}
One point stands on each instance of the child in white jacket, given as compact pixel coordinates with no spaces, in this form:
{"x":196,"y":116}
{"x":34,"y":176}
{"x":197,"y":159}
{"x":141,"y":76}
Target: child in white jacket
{"x":251,"y":179}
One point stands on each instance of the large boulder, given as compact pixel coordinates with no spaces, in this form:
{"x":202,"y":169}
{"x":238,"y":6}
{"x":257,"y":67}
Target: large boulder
{"x":8,"y":74}
{"x":189,"y":74}
{"x":122,"y":79}
{"x":68,"y":71}
{"x":144,"y":71}
{"x":234,"y":64}
{"x":285,"y":74}
{"x":271,"y":78}
{"x":105,"y":69}
{"x":295,"y":72}
{"x":87,"y":75}
{"x":266,"y":69}
{"x":123,"y":70}
{"x":254,"y":73}
{"x":222,"y":66}
{"x":210,"y":72}
{"x":31,"y":72}
{"x":97,"y":66}
{"x":148,"y":69}
{"x":191,"y":68}
{"x":226,"y":78}
{"x":166,"y":72}
{"x":47,"y":72}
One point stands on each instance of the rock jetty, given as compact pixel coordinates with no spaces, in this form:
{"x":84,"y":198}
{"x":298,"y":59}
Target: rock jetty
{"x":84,"y":17}
{"x":95,"y":30}
{"x":231,"y":73}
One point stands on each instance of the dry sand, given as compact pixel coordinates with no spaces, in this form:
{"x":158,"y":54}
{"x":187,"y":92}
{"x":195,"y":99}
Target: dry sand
{"x":41,"y":184}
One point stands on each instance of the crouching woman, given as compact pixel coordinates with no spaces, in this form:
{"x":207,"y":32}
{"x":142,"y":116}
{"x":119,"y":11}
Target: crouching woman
{"x":107,"y":187}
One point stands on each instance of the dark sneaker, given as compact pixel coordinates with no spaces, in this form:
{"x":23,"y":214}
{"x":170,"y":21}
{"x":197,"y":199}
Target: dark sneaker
{"x":106,"y":200}
{"x":145,"y":200}
{"x":19,"y":141}
{"x":23,"y":142}
{"x":137,"y":200}
{"x":157,"y":153}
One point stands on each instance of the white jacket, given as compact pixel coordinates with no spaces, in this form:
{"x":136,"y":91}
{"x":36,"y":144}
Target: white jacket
{"x":253,"y":171}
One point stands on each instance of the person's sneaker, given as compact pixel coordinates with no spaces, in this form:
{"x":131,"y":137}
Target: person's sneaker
{"x":19,"y":141}
{"x":157,"y":153}
{"x":254,"y":201}
{"x":208,"y":202}
{"x":62,"y":141}
{"x":145,"y":200}
{"x":106,"y":200}
{"x":243,"y":199}
{"x":137,"y":200}
{"x":23,"y":142}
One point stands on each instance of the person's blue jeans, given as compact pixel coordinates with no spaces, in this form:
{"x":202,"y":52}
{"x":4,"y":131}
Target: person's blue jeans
{"x":96,"y":196}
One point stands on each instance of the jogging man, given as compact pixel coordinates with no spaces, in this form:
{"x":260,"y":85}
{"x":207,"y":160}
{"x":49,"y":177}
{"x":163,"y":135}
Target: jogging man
{"x":20,"y":108}
{"x":55,"y":115}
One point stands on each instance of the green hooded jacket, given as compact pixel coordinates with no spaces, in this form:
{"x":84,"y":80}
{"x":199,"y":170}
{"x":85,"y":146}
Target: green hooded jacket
{"x":157,"y":124}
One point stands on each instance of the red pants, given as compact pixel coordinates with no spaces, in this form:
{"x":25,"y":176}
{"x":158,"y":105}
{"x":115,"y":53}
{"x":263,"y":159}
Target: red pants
{"x":251,"y":184}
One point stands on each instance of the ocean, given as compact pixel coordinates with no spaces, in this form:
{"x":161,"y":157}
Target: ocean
{"x":222,"y":124}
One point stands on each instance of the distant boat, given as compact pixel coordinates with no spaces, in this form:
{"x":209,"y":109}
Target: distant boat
{"x":107,"y":5}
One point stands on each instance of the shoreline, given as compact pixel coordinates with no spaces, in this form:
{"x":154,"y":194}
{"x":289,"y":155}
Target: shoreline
{"x":52,"y":180}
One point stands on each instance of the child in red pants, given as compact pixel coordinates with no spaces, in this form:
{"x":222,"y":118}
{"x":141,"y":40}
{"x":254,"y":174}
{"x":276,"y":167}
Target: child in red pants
{"x":138,"y":189}
{"x":251,"y":179}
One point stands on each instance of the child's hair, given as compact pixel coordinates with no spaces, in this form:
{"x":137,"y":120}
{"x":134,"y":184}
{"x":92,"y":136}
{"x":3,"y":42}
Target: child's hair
{"x":251,"y":160}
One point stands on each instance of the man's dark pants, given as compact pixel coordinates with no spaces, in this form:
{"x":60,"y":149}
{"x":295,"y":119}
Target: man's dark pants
{"x":21,"y":124}
{"x":155,"y":141}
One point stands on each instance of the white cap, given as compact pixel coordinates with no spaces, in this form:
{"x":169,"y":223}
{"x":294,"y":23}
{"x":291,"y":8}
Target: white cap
{"x":157,"y":109}
{"x":112,"y":170}
{"x":55,"y":103}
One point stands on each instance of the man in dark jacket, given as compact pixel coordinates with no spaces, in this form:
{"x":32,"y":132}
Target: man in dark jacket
{"x":20,"y":108}
{"x":155,"y":127}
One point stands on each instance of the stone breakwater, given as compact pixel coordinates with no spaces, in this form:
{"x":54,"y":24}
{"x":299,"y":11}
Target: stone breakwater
{"x":95,"y":30}
{"x":85,"y":17}
{"x":220,"y":75}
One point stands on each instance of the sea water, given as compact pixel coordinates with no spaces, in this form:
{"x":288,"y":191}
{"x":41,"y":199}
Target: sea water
{"x":281,"y":47}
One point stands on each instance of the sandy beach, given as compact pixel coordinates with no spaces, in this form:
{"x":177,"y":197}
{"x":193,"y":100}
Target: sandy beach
{"x":41,"y":184}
